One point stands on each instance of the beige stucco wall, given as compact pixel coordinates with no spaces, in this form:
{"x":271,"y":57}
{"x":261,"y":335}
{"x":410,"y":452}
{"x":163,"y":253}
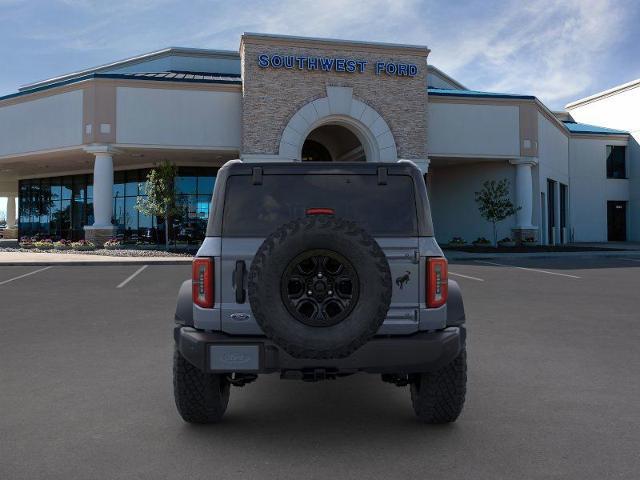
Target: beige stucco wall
{"x":590,"y":189}
{"x":54,"y":121}
{"x":178,"y":117}
{"x":272,"y":96}
{"x":452,"y":196}
{"x":467,"y":129}
{"x":620,"y":110}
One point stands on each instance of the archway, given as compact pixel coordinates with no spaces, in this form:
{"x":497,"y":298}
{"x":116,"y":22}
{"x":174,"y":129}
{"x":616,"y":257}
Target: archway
{"x":332,"y":142}
{"x":334,"y":122}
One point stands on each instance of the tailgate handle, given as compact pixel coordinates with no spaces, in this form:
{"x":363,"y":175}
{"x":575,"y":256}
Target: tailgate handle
{"x":413,"y":257}
{"x":238,"y":281}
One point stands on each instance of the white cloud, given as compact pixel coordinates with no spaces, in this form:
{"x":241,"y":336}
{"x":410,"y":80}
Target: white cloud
{"x":546,"y":48}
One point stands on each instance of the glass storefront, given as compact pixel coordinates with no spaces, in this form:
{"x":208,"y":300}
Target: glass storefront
{"x":60,"y":207}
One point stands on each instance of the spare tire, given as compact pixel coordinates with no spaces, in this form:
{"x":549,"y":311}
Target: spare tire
{"x":320,"y":287}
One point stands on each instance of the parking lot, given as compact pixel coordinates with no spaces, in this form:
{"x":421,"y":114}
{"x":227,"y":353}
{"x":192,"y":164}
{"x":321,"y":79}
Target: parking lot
{"x":554,"y":369}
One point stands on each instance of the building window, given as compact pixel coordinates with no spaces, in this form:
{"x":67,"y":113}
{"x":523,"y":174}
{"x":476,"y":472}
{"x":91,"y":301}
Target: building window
{"x":616,"y":161}
{"x":60,"y":207}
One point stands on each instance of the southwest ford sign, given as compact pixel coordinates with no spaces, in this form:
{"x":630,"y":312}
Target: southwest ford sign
{"x":334,"y":64}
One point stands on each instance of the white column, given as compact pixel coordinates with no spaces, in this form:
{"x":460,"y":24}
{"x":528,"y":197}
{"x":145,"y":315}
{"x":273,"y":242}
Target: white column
{"x":102,"y":186}
{"x":11,"y":212}
{"x":103,"y":190}
{"x":524,"y":192}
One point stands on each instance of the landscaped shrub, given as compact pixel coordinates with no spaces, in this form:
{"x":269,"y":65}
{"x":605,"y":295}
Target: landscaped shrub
{"x":83,"y":245}
{"x":46,"y":244}
{"x":506,"y":242}
{"x":62,"y":245}
{"x":25,"y":242}
{"x":113,"y":244}
{"x":457,"y":241}
{"x":481,"y":241}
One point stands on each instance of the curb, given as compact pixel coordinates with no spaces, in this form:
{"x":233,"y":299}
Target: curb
{"x":547,"y":255}
{"x":92,"y":263}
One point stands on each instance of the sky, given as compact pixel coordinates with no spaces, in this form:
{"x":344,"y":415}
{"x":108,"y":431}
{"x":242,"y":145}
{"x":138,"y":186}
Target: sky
{"x":557,"y":50}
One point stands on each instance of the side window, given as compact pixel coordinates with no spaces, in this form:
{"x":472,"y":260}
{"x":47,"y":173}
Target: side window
{"x":616,"y":164}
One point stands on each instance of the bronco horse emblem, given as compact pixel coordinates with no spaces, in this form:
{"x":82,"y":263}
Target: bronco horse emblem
{"x":403,"y":279}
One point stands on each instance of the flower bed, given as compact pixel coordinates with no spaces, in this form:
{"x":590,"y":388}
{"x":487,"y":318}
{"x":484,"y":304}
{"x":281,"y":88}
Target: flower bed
{"x":26,"y":242}
{"x":43,"y":244}
{"x":113,"y":244}
{"x":507,"y":242}
{"x":62,"y":245}
{"x":457,"y":242}
{"x":481,"y":242}
{"x":83,"y":245}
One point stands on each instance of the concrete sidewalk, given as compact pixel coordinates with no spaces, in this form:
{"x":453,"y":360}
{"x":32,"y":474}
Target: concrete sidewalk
{"x":456,"y":255}
{"x":33,"y":258}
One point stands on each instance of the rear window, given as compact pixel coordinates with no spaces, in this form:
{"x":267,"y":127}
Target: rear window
{"x":257,"y":210}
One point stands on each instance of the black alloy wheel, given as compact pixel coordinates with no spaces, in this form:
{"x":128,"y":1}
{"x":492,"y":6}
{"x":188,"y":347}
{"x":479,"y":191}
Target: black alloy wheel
{"x":320,"y":288}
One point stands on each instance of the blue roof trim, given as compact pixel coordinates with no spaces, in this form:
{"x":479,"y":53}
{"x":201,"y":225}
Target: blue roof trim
{"x":585,"y":128}
{"x":226,"y":79}
{"x":444,"y":92}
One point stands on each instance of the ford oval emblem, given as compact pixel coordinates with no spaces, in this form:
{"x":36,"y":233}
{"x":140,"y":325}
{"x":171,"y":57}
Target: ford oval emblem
{"x":237,"y":358}
{"x":240,"y":316}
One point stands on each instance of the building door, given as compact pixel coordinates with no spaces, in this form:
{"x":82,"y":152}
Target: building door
{"x":551,"y":211}
{"x":563,"y":213}
{"x":617,"y":221}
{"x":543,"y":222}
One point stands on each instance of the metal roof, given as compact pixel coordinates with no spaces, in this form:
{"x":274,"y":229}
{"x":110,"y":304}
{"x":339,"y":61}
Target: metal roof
{"x":135,"y":60}
{"x":585,"y":128}
{"x":435,"y":70}
{"x":186,"y":77}
{"x":475,"y":93}
{"x":182,"y":75}
{"x":605,"y":93}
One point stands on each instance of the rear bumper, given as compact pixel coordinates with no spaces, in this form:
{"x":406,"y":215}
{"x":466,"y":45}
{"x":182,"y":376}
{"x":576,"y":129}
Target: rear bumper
{"x":420,"y":352}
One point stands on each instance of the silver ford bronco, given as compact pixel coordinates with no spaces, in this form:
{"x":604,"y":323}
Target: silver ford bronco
{"x":317,"y":271}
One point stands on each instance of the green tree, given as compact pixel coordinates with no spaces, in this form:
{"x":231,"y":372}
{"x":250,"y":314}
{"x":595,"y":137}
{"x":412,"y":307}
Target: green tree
{"x":161,"y":197}
{"x":494,"y":203}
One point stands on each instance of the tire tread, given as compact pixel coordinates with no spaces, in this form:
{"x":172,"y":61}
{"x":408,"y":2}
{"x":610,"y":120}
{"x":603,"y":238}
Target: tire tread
{"x":438,"y":397}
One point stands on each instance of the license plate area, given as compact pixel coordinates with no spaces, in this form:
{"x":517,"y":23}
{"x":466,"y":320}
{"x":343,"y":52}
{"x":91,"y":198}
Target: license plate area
{"x":234,"y":358}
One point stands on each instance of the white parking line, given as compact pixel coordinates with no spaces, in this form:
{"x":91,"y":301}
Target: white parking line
{"x":25,"y":275}
{"x":132,"y":276}
{"x":467,"y":276}
{"x":528,"y":269}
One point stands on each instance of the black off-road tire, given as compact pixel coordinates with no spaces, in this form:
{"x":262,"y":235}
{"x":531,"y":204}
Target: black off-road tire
{"x":320,"y":233}
{"x":200,"y":397}
{"x":438,"y":397}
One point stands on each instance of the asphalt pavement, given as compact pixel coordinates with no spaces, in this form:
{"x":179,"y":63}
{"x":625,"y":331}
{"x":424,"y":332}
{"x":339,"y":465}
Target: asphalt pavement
{"x":554,"y":368}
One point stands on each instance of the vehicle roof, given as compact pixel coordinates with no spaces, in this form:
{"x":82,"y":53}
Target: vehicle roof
{"x":365,"y":168}
{"x":257,"y":169}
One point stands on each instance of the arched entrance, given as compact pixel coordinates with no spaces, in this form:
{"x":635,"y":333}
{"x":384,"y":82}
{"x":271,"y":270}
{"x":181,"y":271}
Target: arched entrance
{"x":337,"y":126}
{"x":332,"y":142}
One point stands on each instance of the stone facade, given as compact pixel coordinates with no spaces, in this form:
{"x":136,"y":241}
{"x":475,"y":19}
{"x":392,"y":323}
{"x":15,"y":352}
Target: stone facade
{"x":271,"y":96}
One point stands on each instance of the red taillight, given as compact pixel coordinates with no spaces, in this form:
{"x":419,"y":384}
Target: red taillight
{"x":320,"y":211}
{"x":202,"y":282}
{"x":437,"y":282}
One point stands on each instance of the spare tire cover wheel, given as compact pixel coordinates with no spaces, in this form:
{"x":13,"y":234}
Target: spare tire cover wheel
{"x":320,"y":287}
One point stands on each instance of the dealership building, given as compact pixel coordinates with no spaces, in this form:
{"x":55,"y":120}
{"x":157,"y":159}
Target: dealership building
{"x":74,"y":149}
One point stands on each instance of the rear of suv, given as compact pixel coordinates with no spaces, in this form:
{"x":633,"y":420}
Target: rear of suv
{"x":317,"y":271}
